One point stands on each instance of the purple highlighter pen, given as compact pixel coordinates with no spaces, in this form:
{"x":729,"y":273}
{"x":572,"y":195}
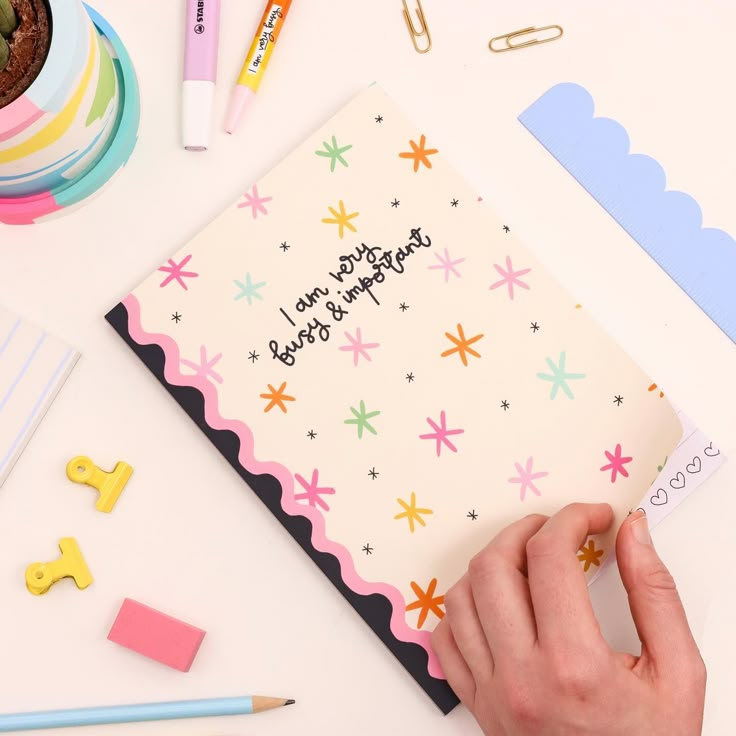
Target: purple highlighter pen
{"x":201,"y":41}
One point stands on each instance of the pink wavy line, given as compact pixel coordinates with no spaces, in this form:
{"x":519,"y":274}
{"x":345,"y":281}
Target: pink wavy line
{"x":248,"y":460}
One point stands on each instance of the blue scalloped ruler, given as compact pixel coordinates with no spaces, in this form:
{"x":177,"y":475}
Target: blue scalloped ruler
{"x":631,"y":188}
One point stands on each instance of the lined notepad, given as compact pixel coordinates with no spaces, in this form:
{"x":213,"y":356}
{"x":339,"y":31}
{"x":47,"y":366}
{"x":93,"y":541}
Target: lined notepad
{"x":33,"y":367}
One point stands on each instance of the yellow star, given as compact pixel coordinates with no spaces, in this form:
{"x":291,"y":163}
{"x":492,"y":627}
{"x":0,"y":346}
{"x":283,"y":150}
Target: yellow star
{"x":341,"y":218}
{"x":411,"y":512}
{"x":277,"y":398}
{"x":462,"y":345}
{"x":589,"y":555}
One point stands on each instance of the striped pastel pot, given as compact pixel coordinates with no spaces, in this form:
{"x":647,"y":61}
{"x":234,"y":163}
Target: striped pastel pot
{"x":75,"y":126}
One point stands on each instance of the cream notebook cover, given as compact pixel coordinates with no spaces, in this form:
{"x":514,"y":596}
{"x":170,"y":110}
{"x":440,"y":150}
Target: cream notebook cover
{"x":393,"y":372}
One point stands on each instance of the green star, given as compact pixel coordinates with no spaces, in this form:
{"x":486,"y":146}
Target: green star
{"x":559,"y":377}
{"x":249,"y":290}
{"x":334,"y":153}
{"x":360,"y":419}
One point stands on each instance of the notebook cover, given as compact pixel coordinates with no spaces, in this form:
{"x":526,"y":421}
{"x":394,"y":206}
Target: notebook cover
{"x":392,"y":372}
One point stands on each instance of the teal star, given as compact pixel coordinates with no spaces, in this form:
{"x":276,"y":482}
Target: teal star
{"x":249,"y":290}
{"x":559,"y":377}
{"x":334,"y":153}
{"x":360,"y":418}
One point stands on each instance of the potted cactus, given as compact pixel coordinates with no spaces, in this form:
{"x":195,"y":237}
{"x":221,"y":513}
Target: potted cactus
{"x":25,"y":35}
{"x":69,"y":106}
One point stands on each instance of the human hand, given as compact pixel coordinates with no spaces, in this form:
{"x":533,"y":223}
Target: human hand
{"x":521,"y":647}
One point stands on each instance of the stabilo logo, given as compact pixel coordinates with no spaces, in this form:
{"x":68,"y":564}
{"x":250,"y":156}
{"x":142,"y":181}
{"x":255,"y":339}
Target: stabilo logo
{"x":199,"y":28}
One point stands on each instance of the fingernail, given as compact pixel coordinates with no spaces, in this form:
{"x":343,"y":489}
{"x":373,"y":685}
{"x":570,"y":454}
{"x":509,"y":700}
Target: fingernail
{"x":640,"y":529}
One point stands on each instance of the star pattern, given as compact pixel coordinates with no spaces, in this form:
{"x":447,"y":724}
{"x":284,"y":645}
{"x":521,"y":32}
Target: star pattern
{"x":411,"y":512}
{"x":277,"y":397}
{"x":249,"y":290}
{"x":256,"y":203}
{"x":426,"y":602}
{"x":358,"y":347}
{"x":284,"y":246}
{"x":373,"y":473}
{"x":334,"y":153}
{"x":590,"y":555}
{"x":616,"y":464}
{"x":379,"y":118}
{"x":204,"y":369}
{"x":361,"y":419}
{"x":419,"y":153}
{"x":462,"y":345}
{"x":454,"y":202}
{"x":395,"y":202}
{"x":618,"y":400}
{"x":447,"y":265}
{"x":403,"y":306}
{"x":534,"y":326}
{"x":177,"y":273}
{"x":506,"y":229}
{"x":313,"y":492}
{"x":253,"y":356}
{"x":312,"y":434}
{"x":472,"y":514}
{"x":559,"y":377}
{"x":368,"y":549}
{"x":526,"y":478}
{"x":440,"y":434}
{"x":510,"y":278}
{"x":341,"y":218}
{"x":505,"y":405}
{"x":410,"y":377}
{"x":176,"y":317}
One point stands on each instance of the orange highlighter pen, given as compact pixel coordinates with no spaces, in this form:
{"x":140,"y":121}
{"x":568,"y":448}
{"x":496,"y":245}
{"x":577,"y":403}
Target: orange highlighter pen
{"x":254,"y":66}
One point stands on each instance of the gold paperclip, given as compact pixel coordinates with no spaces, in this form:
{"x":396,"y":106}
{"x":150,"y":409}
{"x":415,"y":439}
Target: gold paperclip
{"x":416,"y":33}
{"x":533,"y":42}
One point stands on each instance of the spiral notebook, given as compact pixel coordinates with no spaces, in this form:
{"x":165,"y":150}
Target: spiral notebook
{"x":393,"y":372}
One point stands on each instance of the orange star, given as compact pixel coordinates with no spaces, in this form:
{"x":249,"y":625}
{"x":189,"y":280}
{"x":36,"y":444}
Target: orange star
{"x":277,"y":397}
{"x":426,"y":602}
{"x":590,"y":555}
{"x":419,"y":153}
{"x":462,"y":345}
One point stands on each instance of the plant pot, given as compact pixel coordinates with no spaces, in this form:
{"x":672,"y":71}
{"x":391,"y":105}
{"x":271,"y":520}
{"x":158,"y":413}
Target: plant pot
{"x":75,"y":126}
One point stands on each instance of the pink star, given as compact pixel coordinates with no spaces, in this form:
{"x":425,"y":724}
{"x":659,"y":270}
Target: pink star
{"x":313,"y":491}
{"x":358,"y":347}
{"x":204,"y":368}
{"x":447,"y":265}
{"x":510,"y":277}
{"x":176,"y":273}
{"x":255,"y":202}
{"x":441,"y":434}
{"x":616,"y":463}
{"x":526,"y":477}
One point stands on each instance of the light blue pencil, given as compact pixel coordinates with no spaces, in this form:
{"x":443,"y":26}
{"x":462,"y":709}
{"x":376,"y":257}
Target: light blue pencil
{"x":135,"y":713}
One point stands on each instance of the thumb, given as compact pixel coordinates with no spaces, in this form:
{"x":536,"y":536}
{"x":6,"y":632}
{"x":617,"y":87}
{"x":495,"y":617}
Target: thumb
{"x":655,"y":604}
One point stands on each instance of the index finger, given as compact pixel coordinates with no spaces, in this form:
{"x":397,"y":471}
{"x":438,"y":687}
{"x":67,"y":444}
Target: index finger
{"x":562,"y":607}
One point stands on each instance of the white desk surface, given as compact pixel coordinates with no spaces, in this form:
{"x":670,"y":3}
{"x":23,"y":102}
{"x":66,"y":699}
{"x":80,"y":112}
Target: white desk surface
{"x":187,"y":536}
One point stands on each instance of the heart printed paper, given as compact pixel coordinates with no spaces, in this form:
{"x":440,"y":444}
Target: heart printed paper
{"x":393,"y":372}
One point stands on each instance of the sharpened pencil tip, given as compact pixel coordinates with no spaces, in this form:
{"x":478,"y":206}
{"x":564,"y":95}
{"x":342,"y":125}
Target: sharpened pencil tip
{"x":290,"y":702}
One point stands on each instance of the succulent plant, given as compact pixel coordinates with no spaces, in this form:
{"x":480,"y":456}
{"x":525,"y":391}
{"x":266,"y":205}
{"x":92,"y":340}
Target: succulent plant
{"x":4,"y":53}
{"x":8,"y":23}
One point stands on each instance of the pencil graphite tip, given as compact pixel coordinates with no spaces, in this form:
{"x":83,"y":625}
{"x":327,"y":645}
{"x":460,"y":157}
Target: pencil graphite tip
{"x":290,"y":702}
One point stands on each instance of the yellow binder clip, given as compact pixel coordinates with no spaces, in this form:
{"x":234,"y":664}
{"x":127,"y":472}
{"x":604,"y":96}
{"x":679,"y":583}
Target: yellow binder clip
{"x":110,"y":485}
{"x":40,"y":576}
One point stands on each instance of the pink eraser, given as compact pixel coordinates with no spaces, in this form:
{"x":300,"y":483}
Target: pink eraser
{"x":156,"y":635}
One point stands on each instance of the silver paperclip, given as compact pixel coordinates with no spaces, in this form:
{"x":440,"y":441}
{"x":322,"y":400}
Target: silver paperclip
{"x":508,"y":38}
{"x":415,"y":32}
